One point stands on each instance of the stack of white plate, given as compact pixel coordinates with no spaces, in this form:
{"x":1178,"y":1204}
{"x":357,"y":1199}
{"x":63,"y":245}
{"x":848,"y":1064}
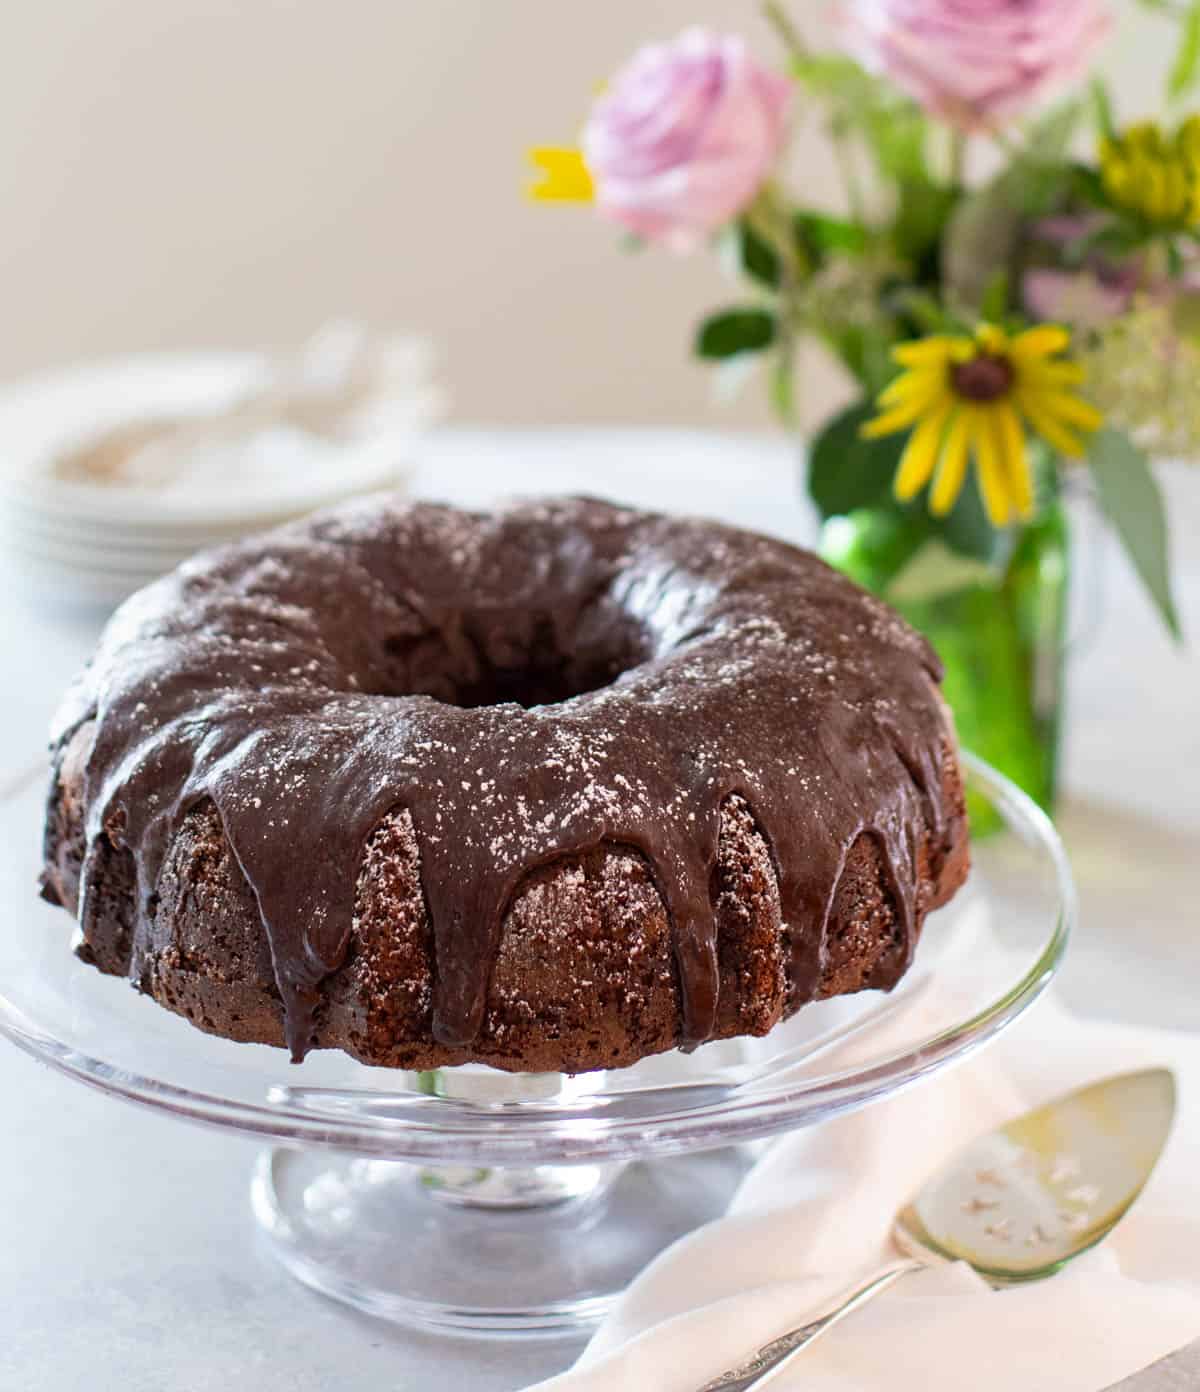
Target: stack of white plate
{"x":112,"y":474}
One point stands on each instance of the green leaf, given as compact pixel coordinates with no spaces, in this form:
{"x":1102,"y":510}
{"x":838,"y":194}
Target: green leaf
{"x":822,"y":236}
{"x":896,"y":134}
{"x":865,"y":352}
{"x":1186,"y":67}
{"x":893,"y":128}
{"x":733,"y":331}
{"x":749,"y":254}
{"x":1087,"y":185}
{"x":922,"y":212}
{"x":1130,"y":496}
{"x":826,"y":73}
{"x":966,"y":528}
{"x":845,"y":471}
{"x":924,"y":311}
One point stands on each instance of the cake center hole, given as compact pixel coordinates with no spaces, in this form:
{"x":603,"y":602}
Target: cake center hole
{"x":488,"y":669}
{"x":531,"y":686}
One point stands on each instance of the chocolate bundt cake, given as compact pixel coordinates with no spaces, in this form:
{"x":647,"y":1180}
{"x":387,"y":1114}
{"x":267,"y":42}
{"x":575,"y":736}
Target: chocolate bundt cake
{"x":551,"y":788}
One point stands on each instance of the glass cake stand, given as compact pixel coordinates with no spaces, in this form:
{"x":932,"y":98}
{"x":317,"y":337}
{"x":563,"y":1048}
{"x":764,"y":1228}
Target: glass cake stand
{"x":473,"y":1200}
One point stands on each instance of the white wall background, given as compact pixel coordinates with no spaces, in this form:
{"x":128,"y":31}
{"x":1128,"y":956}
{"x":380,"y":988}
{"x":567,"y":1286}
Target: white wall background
{"x":178,"y":173}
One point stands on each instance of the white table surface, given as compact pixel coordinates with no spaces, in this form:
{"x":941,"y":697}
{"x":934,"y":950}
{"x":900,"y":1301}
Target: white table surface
{"x":128,"y":1261}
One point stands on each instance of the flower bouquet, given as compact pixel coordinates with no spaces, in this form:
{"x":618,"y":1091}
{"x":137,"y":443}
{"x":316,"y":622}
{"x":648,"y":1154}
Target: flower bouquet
{"x":1012,"y":287}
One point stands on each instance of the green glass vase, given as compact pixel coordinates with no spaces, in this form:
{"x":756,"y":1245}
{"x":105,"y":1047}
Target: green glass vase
{"x":999,"y":628}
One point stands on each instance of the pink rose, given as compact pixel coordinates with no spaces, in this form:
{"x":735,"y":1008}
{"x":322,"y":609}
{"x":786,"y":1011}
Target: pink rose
{"x":973,"y":62}
{"x":685,"y":136}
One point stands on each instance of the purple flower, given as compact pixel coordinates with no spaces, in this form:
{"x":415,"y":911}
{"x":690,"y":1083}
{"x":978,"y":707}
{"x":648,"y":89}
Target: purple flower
{"x":685,"y":136}
{"x":1086,"y":295}
{"x":1102,"y":287}
{"x":973,"y":62}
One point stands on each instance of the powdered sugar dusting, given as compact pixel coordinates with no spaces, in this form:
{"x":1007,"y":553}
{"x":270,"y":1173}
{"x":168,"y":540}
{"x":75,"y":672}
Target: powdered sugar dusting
{"x":313,"y":682}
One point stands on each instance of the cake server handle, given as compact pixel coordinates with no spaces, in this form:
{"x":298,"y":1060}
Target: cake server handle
{"x":770,"y":1360}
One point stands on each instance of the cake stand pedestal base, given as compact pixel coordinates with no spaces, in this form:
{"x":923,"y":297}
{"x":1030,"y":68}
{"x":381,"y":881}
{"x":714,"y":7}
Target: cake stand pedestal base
{"x":546,"y":1249}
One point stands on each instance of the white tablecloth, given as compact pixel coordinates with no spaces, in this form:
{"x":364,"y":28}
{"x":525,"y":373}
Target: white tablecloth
{"x":127,"y":1255}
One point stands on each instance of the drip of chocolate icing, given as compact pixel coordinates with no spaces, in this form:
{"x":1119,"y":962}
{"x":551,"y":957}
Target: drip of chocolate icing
{"x":311,"y":681}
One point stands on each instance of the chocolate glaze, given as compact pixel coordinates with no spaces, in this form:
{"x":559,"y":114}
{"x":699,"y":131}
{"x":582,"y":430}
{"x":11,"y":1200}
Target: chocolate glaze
{"x":528,"y":684}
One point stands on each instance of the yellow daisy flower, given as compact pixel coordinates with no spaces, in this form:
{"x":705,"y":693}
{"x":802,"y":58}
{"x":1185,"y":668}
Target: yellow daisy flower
{"x":976,"y":396}
{"x":565,"y":177}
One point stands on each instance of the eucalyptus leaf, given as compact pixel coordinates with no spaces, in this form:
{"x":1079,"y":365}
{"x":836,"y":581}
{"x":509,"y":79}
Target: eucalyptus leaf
{"x":732,"y":331}
{"x":936,"y":570}
{"x":983,"y":233}
{"x":1132,"y":501}
{"x":1048,"y":139}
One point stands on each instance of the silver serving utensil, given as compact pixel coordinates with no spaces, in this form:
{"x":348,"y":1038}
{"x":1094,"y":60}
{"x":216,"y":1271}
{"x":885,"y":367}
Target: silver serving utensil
{"x":1017,"y":1204}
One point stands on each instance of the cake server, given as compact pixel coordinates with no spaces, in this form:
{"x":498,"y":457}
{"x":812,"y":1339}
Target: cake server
{"x":1016,"y":1205}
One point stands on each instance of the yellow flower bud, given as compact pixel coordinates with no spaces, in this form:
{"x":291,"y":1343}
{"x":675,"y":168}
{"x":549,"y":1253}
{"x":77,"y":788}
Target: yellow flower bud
{"x":1153,"y":176}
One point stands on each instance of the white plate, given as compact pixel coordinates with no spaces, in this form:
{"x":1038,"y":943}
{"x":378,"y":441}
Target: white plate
{"x":54,"y":533}
{"x":42,"y":418}
{"x":99,"y":589}
{"x":74,"y":540}
{"x":78,"y":562}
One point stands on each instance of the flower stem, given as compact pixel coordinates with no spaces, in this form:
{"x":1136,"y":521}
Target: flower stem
{"x":1010,"y":147}
{"x":844,"y":156}
{"x":779,"y":20}
{"x":958,"y":158}
{"x":770,"y":217}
